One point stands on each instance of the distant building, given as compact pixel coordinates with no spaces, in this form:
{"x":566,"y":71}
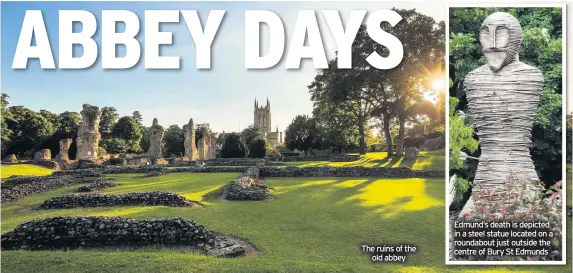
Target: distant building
{"x":262,"y":120}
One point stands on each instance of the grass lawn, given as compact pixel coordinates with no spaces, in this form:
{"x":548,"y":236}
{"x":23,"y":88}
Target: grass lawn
{"x":23,"y":169}
{"x":314,"y":225}
{"x":432,"y":160}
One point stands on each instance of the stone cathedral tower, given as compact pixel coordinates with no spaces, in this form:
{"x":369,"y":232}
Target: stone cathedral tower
{"x":263,"y":117}
{"x":262,"y":120}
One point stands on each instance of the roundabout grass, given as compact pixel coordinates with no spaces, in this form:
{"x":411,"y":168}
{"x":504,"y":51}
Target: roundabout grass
{"x":313,"y":225}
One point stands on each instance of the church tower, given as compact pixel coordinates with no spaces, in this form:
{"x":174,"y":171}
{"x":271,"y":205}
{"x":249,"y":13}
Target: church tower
{"x":262,"y":116}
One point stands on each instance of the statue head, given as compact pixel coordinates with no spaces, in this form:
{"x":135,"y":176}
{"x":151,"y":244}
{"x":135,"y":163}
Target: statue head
{"x":500,"y":37}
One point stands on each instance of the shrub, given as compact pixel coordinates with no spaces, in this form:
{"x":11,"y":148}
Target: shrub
{"x":233,"y":147}
{"x":272,"y":153}
{"x":258,"y":148}
{"x":522,"y":200}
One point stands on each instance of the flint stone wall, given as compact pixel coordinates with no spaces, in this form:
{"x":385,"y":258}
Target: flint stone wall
{"x":63,"y":233}
{"x":222,"y":162}
{"x":326,"y":171}
{"x":88,"y":133}
{"x":127,"y":199}
{"x":291,"y":171}
{"x":16,"y":188}
{"x":247,"y":187}
{"x":342,"y":158}
{"x":98,"y":185}
{"x":48,"y":164}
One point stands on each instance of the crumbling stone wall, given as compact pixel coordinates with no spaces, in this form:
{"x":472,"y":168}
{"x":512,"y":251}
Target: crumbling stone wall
{"x":88,"y":133}
{"x":189,"y":141}
{"x":247,"y":187}
{"x":63,"y":233}
{"x":156,"y":135}
{"x":16,"y":188}
{"x":98,"y":185}
{"x":127,"y":199}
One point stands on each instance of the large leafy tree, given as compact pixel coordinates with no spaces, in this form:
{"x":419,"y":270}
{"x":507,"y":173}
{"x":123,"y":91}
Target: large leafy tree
{"x":108,"y":119}
{"x":541,"y":47}
{"x":173,"y":141}
{"x":127,"y":129}
{"x":68,"y":121}
{"x":234,"y":147}
{"x":5,"y":116}
{"x":366,"y":91}
{"x":302,"y":134}
{"x":250,"y":134}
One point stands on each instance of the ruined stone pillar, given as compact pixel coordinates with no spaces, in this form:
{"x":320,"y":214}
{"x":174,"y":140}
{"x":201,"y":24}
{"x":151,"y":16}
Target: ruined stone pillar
{"x":502,"y":98}
{"x":189,"y":142}
{"x":156,"y":135}
{"x":88,"y":133}
{"x":213,"y":146}
{"x":63,"y":155}
{"x":203,"y":148}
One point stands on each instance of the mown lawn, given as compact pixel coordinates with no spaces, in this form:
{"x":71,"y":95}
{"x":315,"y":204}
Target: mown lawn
{"x":23,"y":169}
{"x":432,"y":160}
{"x":314,"y":225}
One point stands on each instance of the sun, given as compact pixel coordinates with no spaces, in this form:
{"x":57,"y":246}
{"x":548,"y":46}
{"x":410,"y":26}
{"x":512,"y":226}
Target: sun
{"x":438,"y":84}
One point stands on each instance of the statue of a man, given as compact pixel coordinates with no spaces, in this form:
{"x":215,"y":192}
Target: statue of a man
{"x":503,"y":96}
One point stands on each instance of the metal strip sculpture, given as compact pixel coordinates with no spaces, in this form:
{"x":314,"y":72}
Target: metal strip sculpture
{"x":503,"y":96}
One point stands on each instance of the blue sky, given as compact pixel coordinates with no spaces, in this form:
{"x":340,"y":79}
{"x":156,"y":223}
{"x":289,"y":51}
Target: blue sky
{"x":223,"y":96}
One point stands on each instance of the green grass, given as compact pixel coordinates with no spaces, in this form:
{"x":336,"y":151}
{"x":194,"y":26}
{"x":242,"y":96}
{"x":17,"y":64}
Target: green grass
{"x":432,"y":160}
{"x":23,"y":169}
{"x":314,"y":225}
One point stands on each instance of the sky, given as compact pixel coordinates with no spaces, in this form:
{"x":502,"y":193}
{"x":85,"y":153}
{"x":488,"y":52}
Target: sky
{"x":222,"y":96}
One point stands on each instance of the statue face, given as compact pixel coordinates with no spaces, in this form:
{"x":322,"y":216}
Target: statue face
{"x":500,"y":38}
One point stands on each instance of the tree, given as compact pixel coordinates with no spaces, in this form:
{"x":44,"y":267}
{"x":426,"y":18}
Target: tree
{"x":173,"y":141}
{"x":108,"y":119}
{"x":138,"y":118}
{"x":127,"y":129}
{"x":33,"y":131}
{"x":5,"y":115}
{"x":258,"y":148}
{"x":233,"y":147}
{"x":115,"y":145}
{"x":145,"y":138}
{"x":302,"y":134}
{"x":68,"y":121}
{"x":220,"y":139}
{"x":200,"y":130}
{"x":250,"y":134}
{"x":49,"y":116}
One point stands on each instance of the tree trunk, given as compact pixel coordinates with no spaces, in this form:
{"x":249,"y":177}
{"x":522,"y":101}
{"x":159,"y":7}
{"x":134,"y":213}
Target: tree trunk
{"x":387,"y":134}
{"x":362,"y":137}
{"x":400,"y":144}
